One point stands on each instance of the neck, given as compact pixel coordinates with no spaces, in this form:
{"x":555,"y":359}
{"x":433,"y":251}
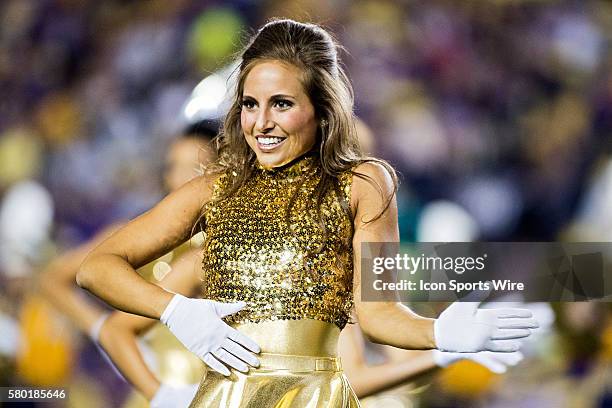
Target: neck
{"x":299,"y":163}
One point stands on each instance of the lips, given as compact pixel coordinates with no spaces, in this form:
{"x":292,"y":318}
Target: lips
{"x":269,"y":143}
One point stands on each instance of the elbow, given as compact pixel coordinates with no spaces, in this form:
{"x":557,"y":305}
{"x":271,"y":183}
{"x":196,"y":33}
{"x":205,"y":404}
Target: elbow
{"x":82,"y":280}
{"x":375,"y":320}
{"x":370,"y":333}
{"x":84,"y":276}
{"x":366,"y":319}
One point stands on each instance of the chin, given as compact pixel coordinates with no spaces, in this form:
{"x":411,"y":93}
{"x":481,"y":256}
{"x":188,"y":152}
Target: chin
{"x":270,"y":161}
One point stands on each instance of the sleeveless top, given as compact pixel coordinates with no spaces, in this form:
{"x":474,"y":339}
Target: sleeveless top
{"x":283,"y":268}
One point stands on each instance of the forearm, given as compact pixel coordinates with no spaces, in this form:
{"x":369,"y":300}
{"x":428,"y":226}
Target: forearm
{"x":121,"y":346}
{"x":395,"y":325}
{"x":66,"y":299}
{"x":367,"y":380}
{"x":113,"y":279}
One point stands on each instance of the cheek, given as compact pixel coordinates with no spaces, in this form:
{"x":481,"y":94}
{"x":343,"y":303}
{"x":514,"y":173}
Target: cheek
{"x":245,"y":122}
{"x":306,"y":126}
{"x":302,"y":123}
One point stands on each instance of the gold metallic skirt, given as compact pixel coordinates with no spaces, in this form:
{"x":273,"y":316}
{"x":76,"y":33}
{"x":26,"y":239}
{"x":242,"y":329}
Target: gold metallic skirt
{"x":299,"y":369}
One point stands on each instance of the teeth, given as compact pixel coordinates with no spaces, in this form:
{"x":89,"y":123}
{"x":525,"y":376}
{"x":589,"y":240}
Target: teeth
{"x":269,"y":140}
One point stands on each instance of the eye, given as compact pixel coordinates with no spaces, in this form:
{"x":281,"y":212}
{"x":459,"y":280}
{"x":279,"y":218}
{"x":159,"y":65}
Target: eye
{"x":283,"y":104}
{"x":248,"y":104}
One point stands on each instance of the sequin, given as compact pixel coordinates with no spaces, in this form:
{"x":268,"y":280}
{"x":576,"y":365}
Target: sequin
{"x":282,"y":268}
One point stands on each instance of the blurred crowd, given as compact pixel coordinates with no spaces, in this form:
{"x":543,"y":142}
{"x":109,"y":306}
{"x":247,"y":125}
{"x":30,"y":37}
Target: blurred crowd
{"x":497,"y":114}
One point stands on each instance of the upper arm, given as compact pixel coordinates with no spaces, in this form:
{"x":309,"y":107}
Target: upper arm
{"x":374,"y":205}
{"x":162,"y":228}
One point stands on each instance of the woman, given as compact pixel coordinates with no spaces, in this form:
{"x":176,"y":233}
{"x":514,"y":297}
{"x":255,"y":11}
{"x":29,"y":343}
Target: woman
{"x":120,"y":329}
{"x":285,"y":210}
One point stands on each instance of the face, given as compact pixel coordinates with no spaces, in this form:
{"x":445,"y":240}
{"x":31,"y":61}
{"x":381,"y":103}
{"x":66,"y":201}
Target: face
{"x":277,"y":117}
{"x":182,"y":161}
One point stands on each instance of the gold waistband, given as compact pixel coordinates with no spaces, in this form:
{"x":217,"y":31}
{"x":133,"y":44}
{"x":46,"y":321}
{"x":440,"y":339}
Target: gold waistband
{"x":271,"y":361}
{"x":305,"y":337}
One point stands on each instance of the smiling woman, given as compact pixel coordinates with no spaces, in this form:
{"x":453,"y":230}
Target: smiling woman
{"x":277,"y":116}
{"x":285,"y":208}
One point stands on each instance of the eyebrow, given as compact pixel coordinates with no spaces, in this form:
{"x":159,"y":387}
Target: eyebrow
{"x":275,"y":96}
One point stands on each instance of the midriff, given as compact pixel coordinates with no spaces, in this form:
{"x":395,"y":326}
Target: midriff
{"x":304,"y":337}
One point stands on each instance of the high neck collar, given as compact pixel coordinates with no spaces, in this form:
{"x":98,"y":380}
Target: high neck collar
{"x":294,"y":168}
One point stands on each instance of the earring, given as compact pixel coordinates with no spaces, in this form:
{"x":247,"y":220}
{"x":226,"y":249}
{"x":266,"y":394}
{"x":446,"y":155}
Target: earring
{"x":323,"y":122}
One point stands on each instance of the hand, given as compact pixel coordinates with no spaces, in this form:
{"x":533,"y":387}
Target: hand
{"x":197,"y":324}
{"x":168,"y":396}
{"x":496,"y":362}
{"x":464,"y":328}
{"x":541,"y":311}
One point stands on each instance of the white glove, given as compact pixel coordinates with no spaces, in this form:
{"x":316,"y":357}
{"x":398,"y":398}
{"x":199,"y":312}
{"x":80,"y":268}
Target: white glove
{"x":197,"y":324}
{"x":169,"y":396}
{"x":464,"y":328}
{"x":496,"y":362}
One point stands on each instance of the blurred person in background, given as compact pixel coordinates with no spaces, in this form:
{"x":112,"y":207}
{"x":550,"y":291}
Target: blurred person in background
{"x":174,"y":369}
{"x":284,"y":143}
{"x":396,"y":374}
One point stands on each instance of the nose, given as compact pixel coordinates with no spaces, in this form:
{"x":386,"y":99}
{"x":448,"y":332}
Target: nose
{"x":264,"y":122}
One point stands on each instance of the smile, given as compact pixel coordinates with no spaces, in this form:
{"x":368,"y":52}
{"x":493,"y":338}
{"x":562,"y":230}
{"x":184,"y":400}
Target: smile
{"x":268,"y":143}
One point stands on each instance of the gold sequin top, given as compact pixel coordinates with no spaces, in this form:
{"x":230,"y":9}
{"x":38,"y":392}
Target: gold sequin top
{"x":283,"y":268}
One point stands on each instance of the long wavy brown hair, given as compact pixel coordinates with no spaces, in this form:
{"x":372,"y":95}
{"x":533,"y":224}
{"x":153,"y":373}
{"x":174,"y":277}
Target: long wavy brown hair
{"x":314,"y":51}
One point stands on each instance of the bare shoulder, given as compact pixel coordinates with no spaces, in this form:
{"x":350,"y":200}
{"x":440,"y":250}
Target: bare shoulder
{"x":186,"y":203}
{"x":200,"y":187}
{"x":371,"y":182}
{"x":192,"y":195}
{"x":162,"y":228}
